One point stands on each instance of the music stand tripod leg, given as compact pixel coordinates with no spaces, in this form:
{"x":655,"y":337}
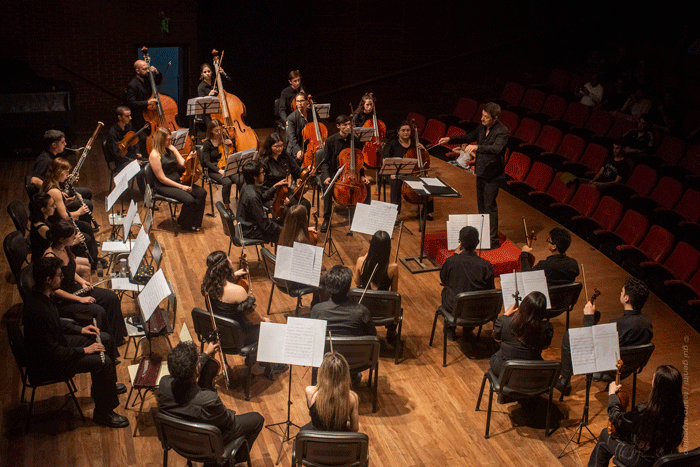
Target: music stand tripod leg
{"x":584,"y":418}
{"x":288,"y":423}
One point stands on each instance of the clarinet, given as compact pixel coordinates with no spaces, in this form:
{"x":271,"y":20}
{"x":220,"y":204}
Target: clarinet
{"x":82,"y":242}
{"x":99,"y":341}
{"x":68,"y":184}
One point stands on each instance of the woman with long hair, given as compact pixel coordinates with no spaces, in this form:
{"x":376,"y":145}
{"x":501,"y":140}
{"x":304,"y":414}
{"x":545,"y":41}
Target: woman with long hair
{"x":522,"y":331}
{"x":212,"y":149}
{"x":230,"y":300}
{"x":54,"y":181}
{"x":167,"y":165}
{"x":278,"y":166}
{"x":364,"y":110}
{"x":648,"y":431}
{"x":332,"y":405}
{"x":296,"y":227}
{"x":98,"y":303}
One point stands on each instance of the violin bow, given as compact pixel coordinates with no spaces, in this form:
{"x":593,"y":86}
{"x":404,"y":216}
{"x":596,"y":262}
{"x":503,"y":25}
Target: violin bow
{"x":368,"y":283}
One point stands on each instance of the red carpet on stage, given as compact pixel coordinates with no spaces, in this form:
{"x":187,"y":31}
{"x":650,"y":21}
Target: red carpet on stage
{"x":504,"y":258}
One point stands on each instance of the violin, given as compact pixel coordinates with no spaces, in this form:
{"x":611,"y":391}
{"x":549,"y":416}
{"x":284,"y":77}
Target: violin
{"x":224,"y":149}
{"x":372,"y":149}
{"x":131,"y":139}
{"x":349,"y":189}
{"x":421,"y":168}
{"x":314,"y":134}
{"x":163,"y":112}
{"x":232,"y":113}
{"x":529,"y":238}
{"x":193,"y":168}
{"x":624,"y":400}
{"x":303,"y":184}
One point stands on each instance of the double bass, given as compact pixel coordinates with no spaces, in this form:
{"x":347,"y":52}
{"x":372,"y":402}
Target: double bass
{"x":349,"y":189}
{"x":423,"y":165}
{"x":372,"y":149}
{"x":232,"y":113}
{"x":163,"y":112}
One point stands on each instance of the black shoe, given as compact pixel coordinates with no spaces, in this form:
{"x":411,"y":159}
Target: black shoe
{"x":103,"y":261}
{"x":563,"y":386}
{"x":451,"y":336}
{"x":121,"y":388}
{"x":324,"y":226}
{"x":111,"y":420}
{"x":429,"y":216}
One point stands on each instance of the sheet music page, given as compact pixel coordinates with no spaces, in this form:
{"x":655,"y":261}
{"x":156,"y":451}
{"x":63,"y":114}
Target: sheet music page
{"x":271,"y":342}
{"x":299,"y":341}
{"x":302,"y":264}
{"x":283,"y":262}
{"x":148,"y":221}
{"x":152,"y":294}
{"x":455,"y":222}
{"x":185,"y":335}
{"x":179,"y":137}
{"x":129,"y":219}
{"x":122,"y":283}
{"x":119,"y":188}
{"x":582,"y":345}
{"x":117,"y":246}
{"x":335,"y":177}
{"x":377,"y":216}
{"x":417,"y":186}
{"x":432,"y":181}
{"x":359,"y":218}
{"x":534,"y":281}
{"x":482,"y":223}
{"x":127,"y":173}
{"x":138,"y":249}
{"x":508,"y":288}
{"x":607,"y":346}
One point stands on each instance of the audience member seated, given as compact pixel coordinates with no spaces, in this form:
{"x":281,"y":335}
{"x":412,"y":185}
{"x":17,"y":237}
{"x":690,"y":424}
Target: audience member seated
{"x":637,"y":104}
{"x":648,"y":431}
{"x":522,"y":331}
{"x":56,"y":349}
{"x":633,"y":327}
{"x":464,"y":271}
{"x":558,"y":268}
{"x":98,"y":303}
{"x":255,"y":224}
{"x":591,"y":93}
{"x":332,"y":405}
{"x":615,"y":169}
{"x":231,"y":300}
{"x":639,"y":141}
{"x":616,"y":98}
{"x":386,"y":275}
{"x":180,"y":396}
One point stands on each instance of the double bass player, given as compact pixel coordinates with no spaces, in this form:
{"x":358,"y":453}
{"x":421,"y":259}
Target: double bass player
{"x":137,"y":97}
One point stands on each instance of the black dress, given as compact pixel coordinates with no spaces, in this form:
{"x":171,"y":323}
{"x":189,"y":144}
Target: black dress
{"x":233,"y":311}
{"x":512,"y":348}
{"x":193,"y":203}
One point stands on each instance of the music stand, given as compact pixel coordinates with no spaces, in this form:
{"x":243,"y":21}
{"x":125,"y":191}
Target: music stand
{"x":332,"y":248}
{"x":444,"y":191}
{"x":395,"y":166}
{"x":205,"y":105}
{"x":234,"y":163}
{"x":584,"y":418}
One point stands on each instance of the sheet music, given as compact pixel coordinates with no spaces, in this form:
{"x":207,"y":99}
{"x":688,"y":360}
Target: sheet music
{"x":185,"y":335}
{"x":370,"y":218}
{"x":117,"y":246}
{"x":529,"y":281}
{"x":302,"y":339}
{"x":302,"y":263}
{"x":179,"y":137}
{"x":128,"y":172}
{"x":335,"y":177}
{"x":129,"y":219}
{"x":417,"y":186}
{"x":200,"y":105}
{"x":481,"y":222}
{"x":432,"y":181}
{"x":138,"y":249}
{"x":236,"y":160}
{"x":119,"y":188}
{"x":122,"y":283}
{"x":153,"y":293}
{"x":594,"y":348}
{"x":148,"y":221}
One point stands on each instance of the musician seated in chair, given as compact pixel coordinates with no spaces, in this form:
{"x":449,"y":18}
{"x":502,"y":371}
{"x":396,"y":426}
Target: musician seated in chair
{"x":344,"y":317}
{"x":279,"y":165}
{"x":54,"y":144}
{"x":181,"y":396}
{"x":558,"y":268}
{"x":329,"y":155}
{"x":116,"y":135}
{"x":464,"y":271}
{"x":57,"y":349}
{"x":648,"y":431}
{"x":633,"y":327}
{"x":213,"y":148}
{"x":255,"y":224}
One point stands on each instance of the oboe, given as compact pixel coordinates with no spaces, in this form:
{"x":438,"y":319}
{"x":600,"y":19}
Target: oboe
{"x":99,"y":341}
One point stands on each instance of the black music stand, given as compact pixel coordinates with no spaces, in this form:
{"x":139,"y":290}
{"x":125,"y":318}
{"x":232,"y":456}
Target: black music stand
{"x":584,"y":418}
{"x":332,"y":248}
{"x":205,"y":105}
{"x":416,"y":264}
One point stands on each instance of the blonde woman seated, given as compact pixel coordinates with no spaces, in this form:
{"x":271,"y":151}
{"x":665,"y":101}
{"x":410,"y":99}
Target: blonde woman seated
{"x":332,"y":405}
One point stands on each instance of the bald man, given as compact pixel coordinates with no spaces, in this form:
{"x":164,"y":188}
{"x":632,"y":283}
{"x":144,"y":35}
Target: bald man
{"x":137,"y":97}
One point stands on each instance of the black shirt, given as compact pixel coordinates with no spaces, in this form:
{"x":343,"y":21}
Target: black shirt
{"x":558,"y":268}
{"x":345,"y":319}
{"x":464,"y":272}
{"x":334,"y":145}
{"x":115,"y":135}
{"x":278,"y":169}
{"x":250,"y":212}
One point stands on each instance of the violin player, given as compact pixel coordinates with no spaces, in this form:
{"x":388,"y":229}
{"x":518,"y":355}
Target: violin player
{"x":212,"y":148}
{"x":255,"y":224}
{"x":278,"y":165}
{"x":137,"y":96}
{"x":116,"y":134}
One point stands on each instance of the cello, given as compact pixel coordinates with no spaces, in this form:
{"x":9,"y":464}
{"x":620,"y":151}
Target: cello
{"x":372,"y":149}
{"x":349,"y":189}
{"x":164,"y":112}
{"x":421,"y":168}
{"x":315,"y":135}
{"x":232,"y":113}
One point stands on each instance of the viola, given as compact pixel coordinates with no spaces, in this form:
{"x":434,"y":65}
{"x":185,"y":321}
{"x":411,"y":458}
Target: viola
{"x":131,"y":139}
{"x":303,"y":184}
{"x":232,"y":113}
{"x":164,"y":111}
{"x":193,"y":168}
{"x":624,"y":400}
{"x":225,"y":150}
{"x":421,"y":168}
{"x":314,"y":134}
{"x":349,"y":189}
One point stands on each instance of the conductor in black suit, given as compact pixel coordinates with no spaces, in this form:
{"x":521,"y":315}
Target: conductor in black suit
{"x":489,"y":167}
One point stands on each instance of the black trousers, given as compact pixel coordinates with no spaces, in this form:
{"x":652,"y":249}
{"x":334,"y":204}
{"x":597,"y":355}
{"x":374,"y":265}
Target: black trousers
{"x":193,"y":204}
{"x":608,"y":447}
{"x":226,"y":184}
{"x":486,"y":193}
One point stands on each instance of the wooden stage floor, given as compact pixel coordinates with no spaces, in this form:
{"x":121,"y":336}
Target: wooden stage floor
{"x":425,"y":414}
